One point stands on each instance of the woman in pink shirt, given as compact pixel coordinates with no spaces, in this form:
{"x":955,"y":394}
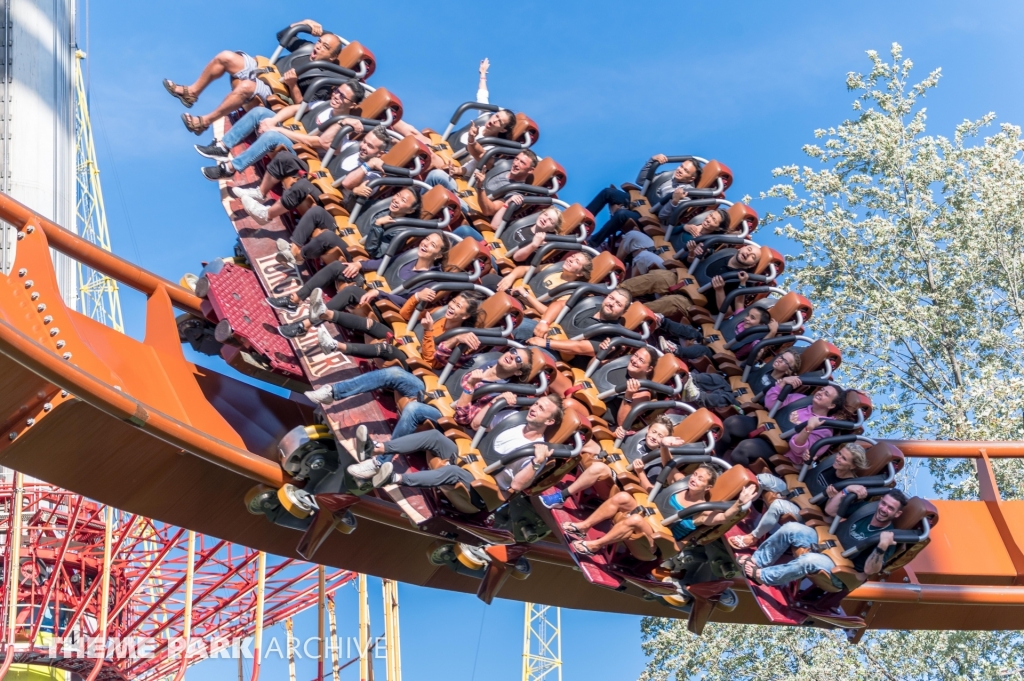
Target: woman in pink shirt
{"x":824,"y":402}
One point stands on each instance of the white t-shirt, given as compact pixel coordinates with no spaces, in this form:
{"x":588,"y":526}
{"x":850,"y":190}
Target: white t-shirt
{"x":325,"y":115}
{"x":511,"y":440}
{"x":506,"y":443}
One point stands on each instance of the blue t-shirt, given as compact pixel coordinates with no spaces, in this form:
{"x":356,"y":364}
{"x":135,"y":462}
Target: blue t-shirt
{"x":684,"y":527}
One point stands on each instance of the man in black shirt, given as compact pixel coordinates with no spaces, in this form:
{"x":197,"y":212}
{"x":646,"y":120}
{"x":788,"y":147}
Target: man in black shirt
{"x":610,"y":312}
{"x":660,"y":282}
{"x":759,"y":568}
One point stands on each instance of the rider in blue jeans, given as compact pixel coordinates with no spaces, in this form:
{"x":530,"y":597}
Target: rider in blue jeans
{"x":391,"y":378}
{"x":618,"y":213}
{"x":264,"y":144}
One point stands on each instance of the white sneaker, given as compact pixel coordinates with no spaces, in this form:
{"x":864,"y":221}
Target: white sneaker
{"x":690,"y":391}
{"x":362,"y":437}
{"x":322,"y":395}
{"x":251,"y":192}
{"x":327,"y":344}
{"x":256,"y":209}
{"x":316,"y":305}
{"x":284,"y":253}
{"x":383,"y":475}
{"x":667,"y":346}
{"x":364,"y":470}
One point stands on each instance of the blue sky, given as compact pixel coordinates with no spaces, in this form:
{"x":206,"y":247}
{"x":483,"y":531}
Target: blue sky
{"x":609,"y":84}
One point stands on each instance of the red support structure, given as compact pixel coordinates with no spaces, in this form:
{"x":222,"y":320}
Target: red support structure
{"x":60,"y":572}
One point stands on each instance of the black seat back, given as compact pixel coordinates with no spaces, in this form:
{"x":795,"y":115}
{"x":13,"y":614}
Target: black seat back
{"x":500,"y":168}
{"x":539,"y":281}
{"x":659,"y":179}
{"x":345,"y":161}
{"x":587,"y":307}
{"x":700,"y":272}
{"x":611,"y":374}
{"x":518,"y":232}
{"x":308,"y":119}
{"x":458,"y":139}
{"x":728,"y":326}
{"x":782,"y":415}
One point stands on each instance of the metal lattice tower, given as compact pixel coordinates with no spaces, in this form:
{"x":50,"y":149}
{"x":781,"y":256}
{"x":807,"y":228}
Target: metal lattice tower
{"x":542,"y":643}
{"x":98,"y":295}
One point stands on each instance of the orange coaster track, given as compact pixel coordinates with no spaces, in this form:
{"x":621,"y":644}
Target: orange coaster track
{"x":136,"y":426}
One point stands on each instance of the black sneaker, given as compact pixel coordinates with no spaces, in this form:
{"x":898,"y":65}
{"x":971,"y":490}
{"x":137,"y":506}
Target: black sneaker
{"x":217,"y":172}
{"x":282,"y":303}
{"x":294,"y":330}
{"x":216,"y":151}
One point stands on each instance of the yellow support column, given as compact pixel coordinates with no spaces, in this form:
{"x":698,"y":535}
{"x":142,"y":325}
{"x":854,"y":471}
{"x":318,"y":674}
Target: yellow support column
{"x":542,"y":643}
{"x":365,"y":656}
{"x":391,"y":631}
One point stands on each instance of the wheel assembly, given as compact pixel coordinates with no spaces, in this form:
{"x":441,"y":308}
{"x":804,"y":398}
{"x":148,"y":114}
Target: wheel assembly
{"x":295,"y":501}
{"x":728,"y":601}
{"x":472,"y":557}
{"x":307,"y":451}
{"x":522,"y":568}
{"x":347,"y":523}
{"x":441,"y":552}
{"x":261,"y":499}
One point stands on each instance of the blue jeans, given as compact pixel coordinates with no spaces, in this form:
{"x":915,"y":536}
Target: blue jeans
{"x":794,"y":535}
{"x":412,"y":416}
{"x":606,"y":196}
{"x":770,"y":520}
{"x":524,"y":331}
{"x":246,"y":125}
{"x":264,"y":144}
{"x":614,"y":225}
{"x":616,"y":220}
{"x":392,"y":378}
{"x":467,"y":232}
{"x":439,"y":177}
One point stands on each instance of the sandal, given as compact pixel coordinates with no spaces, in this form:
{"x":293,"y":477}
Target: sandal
{"x":580,"y":547}
{"x":750,"y":570}
{"x":194,"y":124}
{"x":573,"y":531}
{"x":185,"y":97}
{"x":742,"y":541}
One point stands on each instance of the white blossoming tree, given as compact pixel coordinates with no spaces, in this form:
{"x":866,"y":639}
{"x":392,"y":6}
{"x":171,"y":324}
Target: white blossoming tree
{"x":912,"y":251}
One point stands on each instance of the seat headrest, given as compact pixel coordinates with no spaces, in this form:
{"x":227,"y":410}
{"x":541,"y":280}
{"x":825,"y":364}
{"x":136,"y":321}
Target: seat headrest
{"x":574,"y":216}
{"x":546,"y":172}
{"x":378,"y":102}
{"x":575,"y":419}
{"x":740,"y":213}
{"x":881,"y":455}
{"x":726,"y":174}
{"x":813,"y":357}
{"x":914,"y":512}
{"x":434,"y":201}
{"x":668,"y":366}
{"x":604,"y":264}
{"x":462,"y":254}
{"x":541,"y":362}
{"x":493,"y":310}
{"x":730,"y":483}
{"x":525,"y":126}
{"x":786,"y":307}
{"x":404,"y":153}
{"x":698,"y":424}
{"x":709,"y":175}
{"x":354,"y":53}
{"x":858,"y":399}
{"x":770,"y":256}
{"x":636,"y":314}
